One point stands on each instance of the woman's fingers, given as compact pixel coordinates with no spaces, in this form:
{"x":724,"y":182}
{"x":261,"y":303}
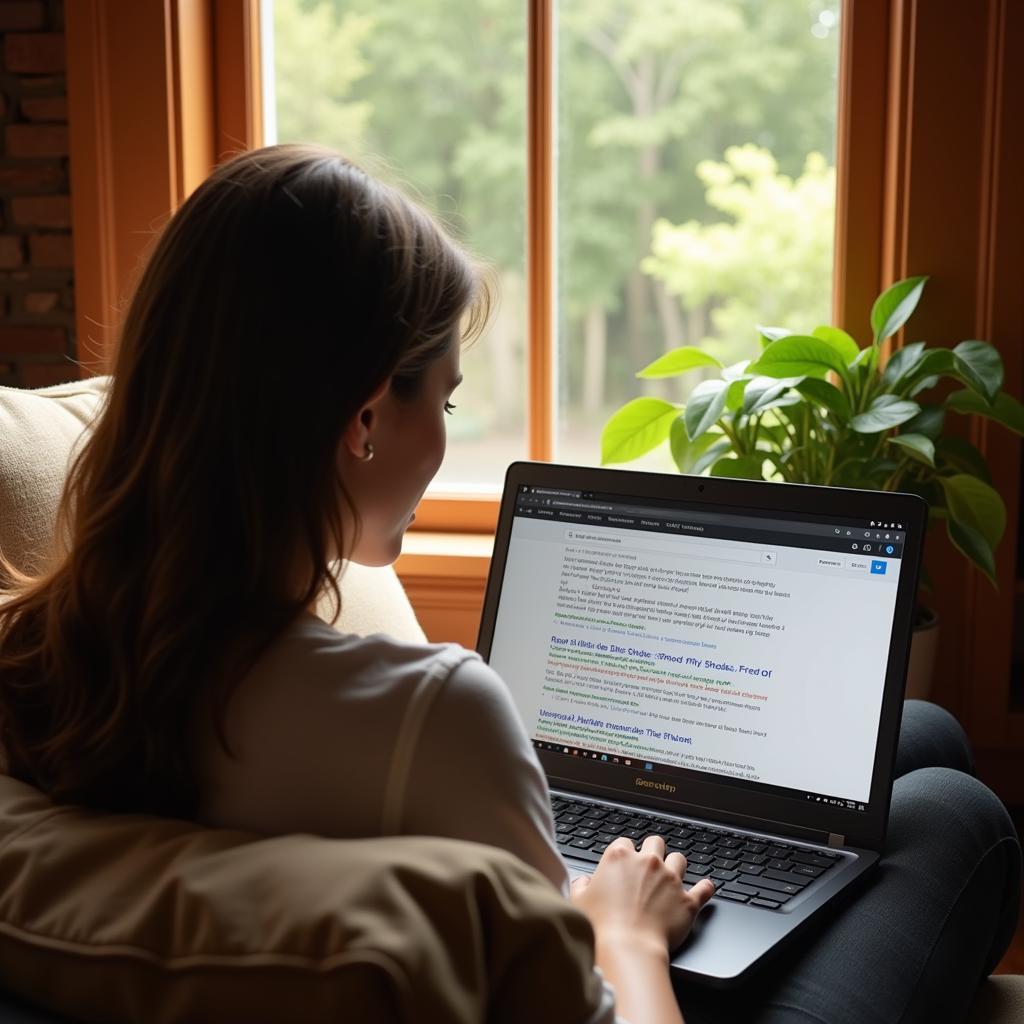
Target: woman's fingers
{"x":702,"y":891}
{"x":578,"y":884}
{"x":677,"y":862}
{"x":655,"y":845}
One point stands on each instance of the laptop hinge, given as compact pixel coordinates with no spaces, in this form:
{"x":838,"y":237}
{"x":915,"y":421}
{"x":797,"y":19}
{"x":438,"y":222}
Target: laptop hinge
{"x":834,"y":840}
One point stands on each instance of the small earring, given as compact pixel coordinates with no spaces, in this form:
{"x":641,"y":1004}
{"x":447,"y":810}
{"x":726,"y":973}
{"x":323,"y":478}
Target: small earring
{"x":368,"y":454}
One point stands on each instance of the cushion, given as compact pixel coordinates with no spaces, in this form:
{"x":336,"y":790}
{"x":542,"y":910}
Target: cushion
{"x":1000,"y":1000}
{"x":38,"y":434}
{"x":129,"y":918}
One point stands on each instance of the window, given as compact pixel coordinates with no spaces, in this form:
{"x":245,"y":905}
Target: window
{"x":691,"y":165}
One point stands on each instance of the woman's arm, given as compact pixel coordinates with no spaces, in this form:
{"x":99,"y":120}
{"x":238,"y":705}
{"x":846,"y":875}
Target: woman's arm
{"x":475,"y":775}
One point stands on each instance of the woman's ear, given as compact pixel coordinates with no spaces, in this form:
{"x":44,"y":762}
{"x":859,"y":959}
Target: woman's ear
{"x":357,"y":438}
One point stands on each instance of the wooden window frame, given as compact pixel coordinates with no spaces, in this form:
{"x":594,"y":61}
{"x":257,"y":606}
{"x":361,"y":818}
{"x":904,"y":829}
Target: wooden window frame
{"x":927,"y":153}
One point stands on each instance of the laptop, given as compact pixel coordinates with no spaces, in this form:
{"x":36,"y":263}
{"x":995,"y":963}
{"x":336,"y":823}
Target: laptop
{"x":720,"y":662}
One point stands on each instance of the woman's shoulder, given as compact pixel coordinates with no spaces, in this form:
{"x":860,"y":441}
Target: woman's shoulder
{"x":319,"y":650}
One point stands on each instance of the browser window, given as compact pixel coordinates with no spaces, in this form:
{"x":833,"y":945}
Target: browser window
{"x":679,"y":640}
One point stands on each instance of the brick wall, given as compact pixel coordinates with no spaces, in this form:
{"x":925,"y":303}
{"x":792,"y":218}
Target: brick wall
{"x":36,"y":283}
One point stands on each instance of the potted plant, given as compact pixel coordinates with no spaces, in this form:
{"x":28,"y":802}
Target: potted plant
{"x":821,"y":409}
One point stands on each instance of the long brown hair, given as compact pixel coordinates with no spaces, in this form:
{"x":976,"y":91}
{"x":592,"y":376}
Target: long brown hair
{"x":279,"y":297}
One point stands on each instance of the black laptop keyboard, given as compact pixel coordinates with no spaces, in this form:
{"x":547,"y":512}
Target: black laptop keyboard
{"x":745,"y":869}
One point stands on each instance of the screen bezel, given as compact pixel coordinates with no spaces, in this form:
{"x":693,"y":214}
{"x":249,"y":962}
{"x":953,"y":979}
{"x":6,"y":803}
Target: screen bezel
{"x":738,"y":802}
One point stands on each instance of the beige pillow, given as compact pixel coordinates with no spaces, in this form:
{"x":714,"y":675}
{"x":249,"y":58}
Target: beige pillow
{"x":38,"y":432}
{"x":126,"y":918}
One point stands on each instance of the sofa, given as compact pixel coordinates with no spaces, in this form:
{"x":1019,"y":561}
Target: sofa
{"x":131,"y":918}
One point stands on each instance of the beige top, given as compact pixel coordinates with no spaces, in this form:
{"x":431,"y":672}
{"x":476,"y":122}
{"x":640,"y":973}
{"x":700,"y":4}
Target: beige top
{"x":349,"y":736}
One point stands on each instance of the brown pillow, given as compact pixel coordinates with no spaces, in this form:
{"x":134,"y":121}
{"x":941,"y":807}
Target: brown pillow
{"x":128,"y":918}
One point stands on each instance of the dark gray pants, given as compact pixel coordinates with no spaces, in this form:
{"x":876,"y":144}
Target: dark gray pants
{"x":933,"y":921}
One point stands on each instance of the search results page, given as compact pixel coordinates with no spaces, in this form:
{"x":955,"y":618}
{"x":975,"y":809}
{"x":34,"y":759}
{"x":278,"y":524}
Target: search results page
{"x":668,"y":645}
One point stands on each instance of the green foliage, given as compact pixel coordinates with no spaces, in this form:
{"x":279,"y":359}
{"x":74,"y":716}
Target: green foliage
{"x":771,"y":258}
{"x":819,"y":409}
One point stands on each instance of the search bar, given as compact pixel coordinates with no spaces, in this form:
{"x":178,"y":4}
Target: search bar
{"x":677,"y":548}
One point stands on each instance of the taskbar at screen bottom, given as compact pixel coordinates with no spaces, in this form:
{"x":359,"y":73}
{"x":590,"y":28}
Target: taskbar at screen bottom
{"x":639,"y":764}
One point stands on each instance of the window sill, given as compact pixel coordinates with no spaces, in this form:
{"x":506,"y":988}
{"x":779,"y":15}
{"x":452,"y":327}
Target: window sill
{"x":445,"y":575}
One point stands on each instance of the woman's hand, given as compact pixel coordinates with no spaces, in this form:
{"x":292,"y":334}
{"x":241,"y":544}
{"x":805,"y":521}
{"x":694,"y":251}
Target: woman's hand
{"x":639,"y":897}
{"x":640,"y":910}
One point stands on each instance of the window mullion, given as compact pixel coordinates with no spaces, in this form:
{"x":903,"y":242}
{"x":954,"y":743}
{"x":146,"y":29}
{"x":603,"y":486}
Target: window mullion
{"x":541,"y":366}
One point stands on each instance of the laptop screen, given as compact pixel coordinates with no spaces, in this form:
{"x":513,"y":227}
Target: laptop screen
{"x":748,"y":647}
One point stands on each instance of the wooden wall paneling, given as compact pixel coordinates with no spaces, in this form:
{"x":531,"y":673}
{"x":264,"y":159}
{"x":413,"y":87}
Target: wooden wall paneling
{"x":139,"y":102}
{"x":935,"y":189}
{"x":1000,"y":319}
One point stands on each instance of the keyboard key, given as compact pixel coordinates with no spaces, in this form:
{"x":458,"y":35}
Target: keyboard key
{"x":729,"y":844}
{"x":636,"y":822}
{"x":698,"y":869}
{"x":597,"y":812}
{"x":656,"y":829}
{"x":725,"y":876}
{"x":736,"y":897}
{"x":616,"y":819}
{"x":564,"y":826}
{"x":799,"y":857}
{"x":759,"y":901}
{"x":787,"y":876}
{"x":700,"y":858}
{"x":683,"y":833}
{"x":702,"y":847}
{"x":753,"y":858}
{"x":584,"y":833}
{"x":779,"y":865}
{"x":612,"y":830}
{"x":692,"y":879}
{"x":569,"y":819}
{"x":747,"y":890}
{"x":755,"y":847}
{"x":750,"y":869}
{"x":593,"y":823}
{"x":606,"y":837}
{"x":582,"y":844}
{"x":762,"y":883}
{"x":807,"y":869}
{"x":723,"y":862}
{"x":564,"y":839}
{"x":599,"y":848}
{"x":679,"y":844}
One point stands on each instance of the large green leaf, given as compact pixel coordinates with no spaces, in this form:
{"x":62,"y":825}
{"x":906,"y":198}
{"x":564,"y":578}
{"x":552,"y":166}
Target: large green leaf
{"x":892,"y":309}
{"x":924,"y":384}
{"x":712,"y":455}
{"x":705,"y":405}
{"x":902,"y":362}
{"x":928,"y":421}
{"x":917,"y":445}
{"x":1005,"y":409}
{"x":745,"y":467}
{"x":981,"y":367}
{"x":847,"y":348}
{"x":962,"y":455}
{"x":679,"y":360}
{"x":884,"y":413}
{"x":636,"y":428}
{"x":734,"y":393}
{"x":828,"y":395}
{"x":798,"y":355}
{"x":974,"y":546}
{"x":762,"y":391}
{"x":685,"y":452}
{"x":975,"y":504}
